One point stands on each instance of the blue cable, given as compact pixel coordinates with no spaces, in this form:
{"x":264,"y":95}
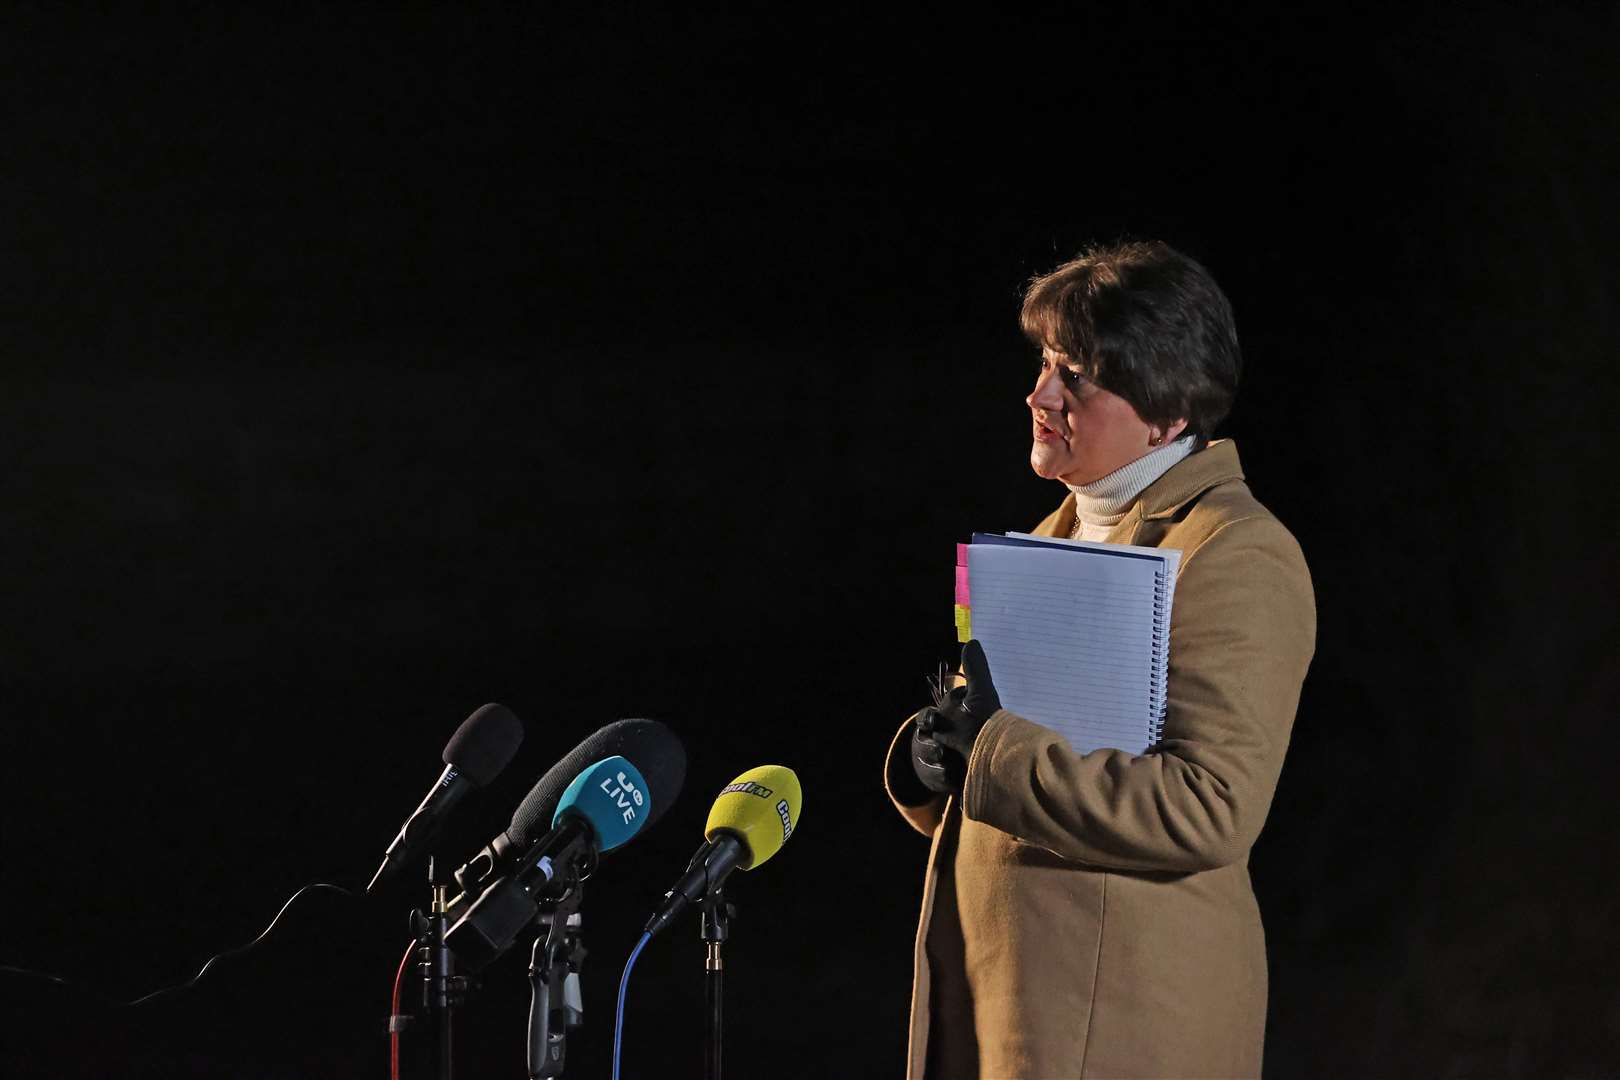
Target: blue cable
{"x":624,"y":983}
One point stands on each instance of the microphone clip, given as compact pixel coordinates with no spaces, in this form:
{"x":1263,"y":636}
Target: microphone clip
{"x":717,"y":915}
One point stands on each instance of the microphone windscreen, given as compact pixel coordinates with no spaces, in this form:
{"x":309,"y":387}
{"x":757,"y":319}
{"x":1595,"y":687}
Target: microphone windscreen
{"x":652,"y":747}
{"x":761,"y":808}
{"x":484,"y":743}
{"x":614,"y":797}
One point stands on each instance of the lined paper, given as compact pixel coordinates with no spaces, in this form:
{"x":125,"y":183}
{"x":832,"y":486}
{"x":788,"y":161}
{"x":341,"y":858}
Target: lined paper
{"x":1076,"y":634}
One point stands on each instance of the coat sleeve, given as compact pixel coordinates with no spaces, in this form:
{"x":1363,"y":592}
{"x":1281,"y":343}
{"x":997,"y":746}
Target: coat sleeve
{"x":1243,"y":628}
{"x":921,"y":808}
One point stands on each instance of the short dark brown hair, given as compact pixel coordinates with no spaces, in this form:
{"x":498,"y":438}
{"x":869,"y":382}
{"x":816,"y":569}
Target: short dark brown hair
{"x":1147,"y":323}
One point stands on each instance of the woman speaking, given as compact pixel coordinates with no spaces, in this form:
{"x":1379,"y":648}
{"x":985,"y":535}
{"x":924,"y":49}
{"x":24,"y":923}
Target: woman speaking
{"x":1091,"y":914}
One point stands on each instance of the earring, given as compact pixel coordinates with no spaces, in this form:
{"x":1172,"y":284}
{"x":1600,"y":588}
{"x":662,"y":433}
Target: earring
{"x":1156,"y":440}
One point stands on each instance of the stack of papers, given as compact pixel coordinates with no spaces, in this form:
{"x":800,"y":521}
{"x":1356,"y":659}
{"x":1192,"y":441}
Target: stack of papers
{"x":1077,"y":633}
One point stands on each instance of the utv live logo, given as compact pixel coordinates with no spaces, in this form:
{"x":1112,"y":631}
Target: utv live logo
{"x":625,"y":795}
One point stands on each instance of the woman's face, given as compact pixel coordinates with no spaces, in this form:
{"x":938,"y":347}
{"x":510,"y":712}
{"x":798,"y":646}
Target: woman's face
{"x":1083,"y":432}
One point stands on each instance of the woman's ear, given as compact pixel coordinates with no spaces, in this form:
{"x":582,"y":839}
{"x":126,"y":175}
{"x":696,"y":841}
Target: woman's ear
{"x":1162,"y":436}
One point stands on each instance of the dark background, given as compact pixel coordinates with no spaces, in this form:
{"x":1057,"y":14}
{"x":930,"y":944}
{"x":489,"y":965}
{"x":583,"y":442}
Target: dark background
{"x":364,"y":366}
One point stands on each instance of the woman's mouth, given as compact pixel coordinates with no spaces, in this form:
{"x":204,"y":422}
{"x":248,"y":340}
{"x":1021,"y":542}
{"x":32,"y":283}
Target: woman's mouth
{"x":1046,"y":434}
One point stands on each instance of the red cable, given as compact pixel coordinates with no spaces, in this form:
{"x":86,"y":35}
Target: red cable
{"x":394,"y":1017}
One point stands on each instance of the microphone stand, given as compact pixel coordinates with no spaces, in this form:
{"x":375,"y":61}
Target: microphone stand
{"x":555,"y":1003}
{"x":441,"y":988}
{"x":717,"y":915}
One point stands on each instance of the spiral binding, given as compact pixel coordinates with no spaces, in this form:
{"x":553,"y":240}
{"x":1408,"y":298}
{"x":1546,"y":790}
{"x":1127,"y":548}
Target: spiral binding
{"x":1160,"y":674}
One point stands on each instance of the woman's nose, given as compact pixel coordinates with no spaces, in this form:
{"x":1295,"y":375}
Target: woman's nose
{"x":1047,"y":395}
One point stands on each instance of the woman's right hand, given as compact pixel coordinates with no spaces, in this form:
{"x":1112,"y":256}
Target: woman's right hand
{"x":940,"y":770}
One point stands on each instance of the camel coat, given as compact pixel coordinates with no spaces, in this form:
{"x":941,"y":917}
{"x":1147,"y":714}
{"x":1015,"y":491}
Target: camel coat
{"x":1091,"y":916}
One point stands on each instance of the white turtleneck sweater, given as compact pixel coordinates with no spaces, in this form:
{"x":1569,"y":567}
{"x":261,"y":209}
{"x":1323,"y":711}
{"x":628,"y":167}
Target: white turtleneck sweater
{"x":1101,"y":504}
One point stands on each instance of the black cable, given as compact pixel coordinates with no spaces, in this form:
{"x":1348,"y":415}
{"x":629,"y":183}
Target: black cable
{"x":189,"y":983}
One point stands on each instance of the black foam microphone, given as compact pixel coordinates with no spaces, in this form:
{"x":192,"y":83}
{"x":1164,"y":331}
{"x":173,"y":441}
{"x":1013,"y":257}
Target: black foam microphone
{"x":648,"y":743}
{"x":475,"y":755}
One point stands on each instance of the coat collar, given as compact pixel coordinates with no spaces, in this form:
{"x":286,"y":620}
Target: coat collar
{"x":1189,"y":478}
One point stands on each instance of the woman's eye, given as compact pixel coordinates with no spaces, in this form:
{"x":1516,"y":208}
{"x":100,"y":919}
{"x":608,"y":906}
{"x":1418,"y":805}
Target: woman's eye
{"x":1072,"y":378}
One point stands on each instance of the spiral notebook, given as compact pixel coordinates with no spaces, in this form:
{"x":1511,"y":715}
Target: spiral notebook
{"x":1077,"y":633}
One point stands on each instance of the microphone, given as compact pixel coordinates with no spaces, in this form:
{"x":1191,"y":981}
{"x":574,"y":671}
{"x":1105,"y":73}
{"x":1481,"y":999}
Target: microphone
{"x":481,"y":747}
{"x":654,"y":749}
{"x":749,"y":822}
{"x":604,"y":806}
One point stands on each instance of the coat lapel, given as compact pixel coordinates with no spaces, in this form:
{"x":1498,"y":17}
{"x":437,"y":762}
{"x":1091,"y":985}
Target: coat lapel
{"x":1145,"y":524}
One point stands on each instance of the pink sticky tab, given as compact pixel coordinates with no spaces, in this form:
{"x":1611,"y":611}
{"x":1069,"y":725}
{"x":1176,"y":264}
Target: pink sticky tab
{"x":962,"y":587}
{"x":961,"y":554}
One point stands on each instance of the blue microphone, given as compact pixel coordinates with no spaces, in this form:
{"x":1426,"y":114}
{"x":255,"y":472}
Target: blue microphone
{"x":603,"y":808}
{"x":611,"y":797}
{"x":650,"y":746}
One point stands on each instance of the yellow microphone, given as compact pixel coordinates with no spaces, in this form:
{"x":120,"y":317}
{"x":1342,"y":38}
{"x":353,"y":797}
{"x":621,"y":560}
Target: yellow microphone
{"x":751,"y":819}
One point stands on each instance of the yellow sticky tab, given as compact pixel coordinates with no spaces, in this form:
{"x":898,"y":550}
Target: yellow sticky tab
{"x":964,"y":624}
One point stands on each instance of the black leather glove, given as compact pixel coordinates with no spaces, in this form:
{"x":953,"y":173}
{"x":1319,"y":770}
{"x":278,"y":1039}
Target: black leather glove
{"x":945,"y":734}
{"x":940,"y":770}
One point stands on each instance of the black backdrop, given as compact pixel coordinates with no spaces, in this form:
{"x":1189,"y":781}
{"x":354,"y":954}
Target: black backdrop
{"x":364,"y":367}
